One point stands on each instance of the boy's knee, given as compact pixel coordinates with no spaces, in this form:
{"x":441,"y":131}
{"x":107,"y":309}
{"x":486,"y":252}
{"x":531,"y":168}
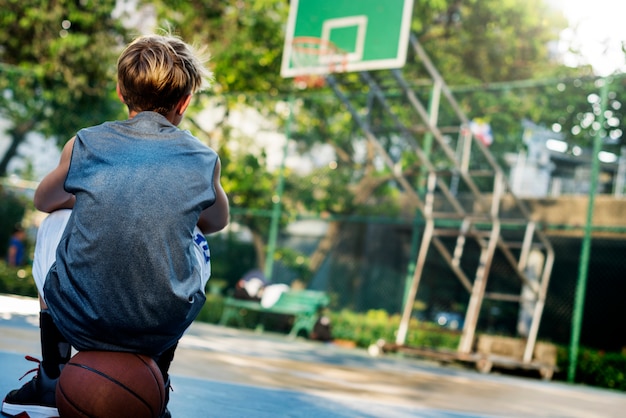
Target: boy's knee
{"x":48,"y":238}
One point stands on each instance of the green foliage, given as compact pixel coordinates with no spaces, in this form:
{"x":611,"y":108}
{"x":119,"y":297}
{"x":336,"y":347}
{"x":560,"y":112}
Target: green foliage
{"x":429,"y":13}
{"x":366,"y":329}
{"x":17,"y":280}
{"x":58,"y":67}
{"x":601,"y":369}
{"x":295,"y":261}
{"x":212,"y":309}
{"x":250,"y":185}
{"x":594,"y":368}
{"x":496,"y":41}
{"x":12,"y":210}
{"x":248,"y":182}
{"x":325,"y":189}
{"x":230,"y":258}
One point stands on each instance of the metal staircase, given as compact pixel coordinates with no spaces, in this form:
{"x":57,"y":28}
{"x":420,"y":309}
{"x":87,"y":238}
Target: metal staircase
{"x":463,"y":196}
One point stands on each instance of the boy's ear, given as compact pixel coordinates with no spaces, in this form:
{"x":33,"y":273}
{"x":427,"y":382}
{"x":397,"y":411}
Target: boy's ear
{"x":183,"y":103}
{"x":119,"y":93}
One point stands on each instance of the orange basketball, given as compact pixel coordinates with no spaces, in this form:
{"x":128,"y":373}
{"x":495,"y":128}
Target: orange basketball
{"x":105,"y":384}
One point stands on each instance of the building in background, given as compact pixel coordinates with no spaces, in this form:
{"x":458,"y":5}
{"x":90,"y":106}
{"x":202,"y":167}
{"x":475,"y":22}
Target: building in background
{"x":551,"y":167}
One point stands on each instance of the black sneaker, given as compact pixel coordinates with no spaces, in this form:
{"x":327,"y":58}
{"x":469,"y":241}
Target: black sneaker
{"x":36,"y":399}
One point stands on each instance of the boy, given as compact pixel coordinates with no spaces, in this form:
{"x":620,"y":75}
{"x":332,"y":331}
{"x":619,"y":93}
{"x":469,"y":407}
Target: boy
{"x":121,"y":262}
{"x":16,"y":255}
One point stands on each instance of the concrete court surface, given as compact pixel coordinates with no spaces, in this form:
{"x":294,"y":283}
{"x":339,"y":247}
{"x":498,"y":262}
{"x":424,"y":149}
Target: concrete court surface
{"x":225,"y":372}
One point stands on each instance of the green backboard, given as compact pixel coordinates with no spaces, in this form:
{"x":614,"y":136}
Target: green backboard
{"x":325,"y":36}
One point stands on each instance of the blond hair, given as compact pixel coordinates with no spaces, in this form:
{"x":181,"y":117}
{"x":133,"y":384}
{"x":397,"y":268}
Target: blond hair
{"x":155,"y":71}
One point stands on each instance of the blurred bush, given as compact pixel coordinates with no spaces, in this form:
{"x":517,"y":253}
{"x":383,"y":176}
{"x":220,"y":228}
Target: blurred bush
{"x":369,"y":327}
{"x":212,"y":309}
{"x":17,"y":280}
{"x":12,"y":210}
{"x":597,"y":368}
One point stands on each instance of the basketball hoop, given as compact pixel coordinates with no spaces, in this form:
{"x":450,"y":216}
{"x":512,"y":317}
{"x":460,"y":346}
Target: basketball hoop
{"x":316,"y":57}
{"x":309,"y":81}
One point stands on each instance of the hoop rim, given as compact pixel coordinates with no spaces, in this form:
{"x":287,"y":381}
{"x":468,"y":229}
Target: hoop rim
{"x":309,"y":81}
{"x":326,"y":53}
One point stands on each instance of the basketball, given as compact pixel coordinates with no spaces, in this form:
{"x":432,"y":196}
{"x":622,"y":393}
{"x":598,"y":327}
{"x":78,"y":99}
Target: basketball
{"x":105,"y":384}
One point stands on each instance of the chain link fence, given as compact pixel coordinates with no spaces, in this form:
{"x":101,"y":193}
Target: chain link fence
{"x":367,"y":268}
{"x":360,"y":247}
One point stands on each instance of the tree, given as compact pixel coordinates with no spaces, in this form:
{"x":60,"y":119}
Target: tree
{"x":497,"y":49}
{"x":58,"y":68}
{"x":496,"y":41}
{"x":470,"y":42}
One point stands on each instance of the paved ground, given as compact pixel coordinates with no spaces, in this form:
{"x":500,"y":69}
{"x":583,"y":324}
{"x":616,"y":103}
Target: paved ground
{"x":224,"y":372}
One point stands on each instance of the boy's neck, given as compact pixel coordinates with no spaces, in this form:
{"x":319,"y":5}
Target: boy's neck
{"x":172,"y":116}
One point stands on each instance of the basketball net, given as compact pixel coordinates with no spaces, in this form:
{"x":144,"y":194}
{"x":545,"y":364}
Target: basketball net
{"x":317,"y":56}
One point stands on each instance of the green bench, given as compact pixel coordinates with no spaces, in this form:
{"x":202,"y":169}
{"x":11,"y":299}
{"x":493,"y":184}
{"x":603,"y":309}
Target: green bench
{"x":304,"y":306}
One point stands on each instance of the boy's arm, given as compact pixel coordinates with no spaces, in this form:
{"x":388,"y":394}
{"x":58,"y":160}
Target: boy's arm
{"x":215,"y":217}
{"x":50,"y":194}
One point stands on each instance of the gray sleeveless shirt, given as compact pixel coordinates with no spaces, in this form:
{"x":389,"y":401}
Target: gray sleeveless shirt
{"x":125,"y":278}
